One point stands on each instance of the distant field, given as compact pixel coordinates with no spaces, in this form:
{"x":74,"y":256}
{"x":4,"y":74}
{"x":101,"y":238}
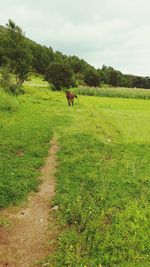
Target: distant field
{"x":102,"y":178}
{"x":114,"y":92}
{"x":36,"y":81}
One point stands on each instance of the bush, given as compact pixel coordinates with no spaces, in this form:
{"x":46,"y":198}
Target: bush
{"x":7,"y":82}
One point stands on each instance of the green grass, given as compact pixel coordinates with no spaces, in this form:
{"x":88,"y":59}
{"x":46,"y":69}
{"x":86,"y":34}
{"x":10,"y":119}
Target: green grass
{"x":114,"y":92}
{"x":102,"y":178}
{"x":36,"y":81}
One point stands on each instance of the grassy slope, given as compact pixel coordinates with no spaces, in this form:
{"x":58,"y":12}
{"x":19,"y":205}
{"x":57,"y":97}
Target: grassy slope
{"x":103,"y":172}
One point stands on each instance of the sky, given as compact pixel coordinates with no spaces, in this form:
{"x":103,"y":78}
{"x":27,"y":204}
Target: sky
{"x":111,"y":32}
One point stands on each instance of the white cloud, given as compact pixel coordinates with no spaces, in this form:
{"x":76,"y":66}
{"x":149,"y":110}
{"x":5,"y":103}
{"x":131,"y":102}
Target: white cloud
{"x":110,"y":32}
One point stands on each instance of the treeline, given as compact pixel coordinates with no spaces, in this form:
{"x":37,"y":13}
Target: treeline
{"x":20,"y":56}
{"x":115,"y":78}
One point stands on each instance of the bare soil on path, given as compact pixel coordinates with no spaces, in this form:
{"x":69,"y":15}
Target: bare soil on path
{"x":33,"y":231}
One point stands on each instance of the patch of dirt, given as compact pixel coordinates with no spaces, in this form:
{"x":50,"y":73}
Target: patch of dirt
{"x":32,"y":233}
{"x":19,"y":153}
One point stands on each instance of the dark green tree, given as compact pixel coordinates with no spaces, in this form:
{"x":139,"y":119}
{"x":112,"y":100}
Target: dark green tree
{"x":2,"y":48}
{"x":147,"y":83}
{"x":103,"y":73}
{"x":92,"y":78}
{"x":60,"y":57}
{"x":113,"y":77}
{"x":42,"y":57}
{"x":78,"y":65}
{"x":17,"y":55}
{"x":60,"y":75}
{"x":138,"y":82}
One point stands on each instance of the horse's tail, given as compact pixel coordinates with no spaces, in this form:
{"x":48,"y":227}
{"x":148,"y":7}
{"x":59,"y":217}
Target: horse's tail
{"x":75,"y":96}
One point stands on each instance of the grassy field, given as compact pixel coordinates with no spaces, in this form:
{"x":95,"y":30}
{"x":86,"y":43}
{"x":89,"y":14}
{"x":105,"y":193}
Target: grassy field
{"x":102,"y":178}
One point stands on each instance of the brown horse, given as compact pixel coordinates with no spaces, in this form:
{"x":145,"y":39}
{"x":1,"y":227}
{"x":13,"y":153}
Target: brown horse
{"x":70,"y":97}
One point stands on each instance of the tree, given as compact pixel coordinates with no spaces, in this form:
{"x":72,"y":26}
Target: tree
{"x":113,"y":77}
{"x":139,"y":82}
{"x":17,"y":55}
{"x":2,"y":48}
{"x":92,"y":78}
{"x":59,"y":75}
{"x":77,"y":65}
{"x":103,"y":73}
{"x":42,"y":57}
{"x":147,"y":83}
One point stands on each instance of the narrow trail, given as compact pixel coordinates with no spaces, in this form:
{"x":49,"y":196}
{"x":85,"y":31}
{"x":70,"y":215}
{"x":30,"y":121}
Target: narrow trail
{"x":32,"y":226}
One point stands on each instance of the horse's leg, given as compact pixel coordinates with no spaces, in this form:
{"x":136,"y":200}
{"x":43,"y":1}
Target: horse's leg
{"x":68,"y":102}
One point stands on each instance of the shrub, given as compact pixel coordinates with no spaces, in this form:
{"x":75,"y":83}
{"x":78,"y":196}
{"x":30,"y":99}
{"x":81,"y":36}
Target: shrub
{"x":7,"y":82}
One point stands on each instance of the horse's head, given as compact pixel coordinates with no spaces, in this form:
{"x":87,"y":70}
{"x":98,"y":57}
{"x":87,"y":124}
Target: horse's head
{"x":67,"y":93}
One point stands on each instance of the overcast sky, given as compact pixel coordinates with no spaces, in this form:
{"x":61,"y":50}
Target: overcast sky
{"x":111,"y":32}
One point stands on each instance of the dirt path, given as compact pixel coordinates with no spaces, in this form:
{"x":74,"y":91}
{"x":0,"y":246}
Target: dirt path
{"x":32,"y":226}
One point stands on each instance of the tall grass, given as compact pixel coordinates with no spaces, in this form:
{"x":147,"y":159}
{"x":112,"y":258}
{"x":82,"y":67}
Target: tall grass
{"x":8,"y":102}
{"x":113,"y":92}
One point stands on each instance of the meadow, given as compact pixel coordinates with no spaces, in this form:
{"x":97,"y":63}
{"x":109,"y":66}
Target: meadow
{"x":103,"y":172}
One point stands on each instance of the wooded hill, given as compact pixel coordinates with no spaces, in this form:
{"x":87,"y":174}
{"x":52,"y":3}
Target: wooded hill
{"x":41,"y":58}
